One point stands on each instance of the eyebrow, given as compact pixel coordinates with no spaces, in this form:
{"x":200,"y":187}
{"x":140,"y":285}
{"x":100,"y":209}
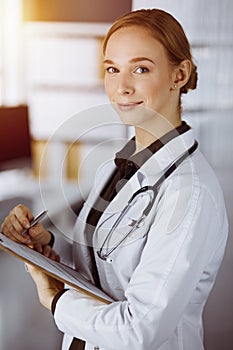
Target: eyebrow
{"x":133,"y":60}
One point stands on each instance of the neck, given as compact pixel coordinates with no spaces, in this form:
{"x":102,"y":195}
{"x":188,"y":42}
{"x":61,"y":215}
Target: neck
{"x":145,"y":135}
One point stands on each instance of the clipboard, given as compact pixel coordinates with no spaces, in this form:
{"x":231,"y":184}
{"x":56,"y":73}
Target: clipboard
{"x":53,"y":268}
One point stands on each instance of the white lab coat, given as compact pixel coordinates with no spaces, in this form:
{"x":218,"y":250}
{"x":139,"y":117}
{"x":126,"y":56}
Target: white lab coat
{"x":160,"y":277}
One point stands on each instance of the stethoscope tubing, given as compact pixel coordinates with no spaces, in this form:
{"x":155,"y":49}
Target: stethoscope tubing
{"x":167,"y":172}
{"x":154,"y":188}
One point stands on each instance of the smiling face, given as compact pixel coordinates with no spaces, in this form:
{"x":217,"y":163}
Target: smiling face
{"x":139,"y":80}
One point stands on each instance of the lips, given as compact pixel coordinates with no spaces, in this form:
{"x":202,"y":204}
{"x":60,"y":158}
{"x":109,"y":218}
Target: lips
{"x":128,"y":106}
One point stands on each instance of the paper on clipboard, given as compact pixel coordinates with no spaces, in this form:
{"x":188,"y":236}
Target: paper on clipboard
{"x":55,"y":269}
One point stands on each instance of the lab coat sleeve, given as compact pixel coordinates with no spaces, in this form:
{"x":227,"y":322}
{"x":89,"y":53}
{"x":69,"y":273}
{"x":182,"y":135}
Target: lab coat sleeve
{"x":185,"y":237}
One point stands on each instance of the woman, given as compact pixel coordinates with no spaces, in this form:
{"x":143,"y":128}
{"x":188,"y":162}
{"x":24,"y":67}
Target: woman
{"x":161,"y":274}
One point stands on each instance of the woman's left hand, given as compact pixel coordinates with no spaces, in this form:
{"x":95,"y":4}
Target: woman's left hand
{"x":46,"y":250}
{"x":47,"y":287}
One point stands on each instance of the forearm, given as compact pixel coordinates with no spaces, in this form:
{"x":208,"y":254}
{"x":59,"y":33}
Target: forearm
{"x":47,"y":287}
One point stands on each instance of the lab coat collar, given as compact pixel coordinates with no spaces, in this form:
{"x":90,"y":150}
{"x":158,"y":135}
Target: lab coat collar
{"x":127,"y":154}
{"x":155,"y":166}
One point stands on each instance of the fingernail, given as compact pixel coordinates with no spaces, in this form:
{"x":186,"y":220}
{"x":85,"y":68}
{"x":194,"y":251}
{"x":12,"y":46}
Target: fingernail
{"x":33,"y":231}
{"x":26,"y":224}
{"x":24,"y":234}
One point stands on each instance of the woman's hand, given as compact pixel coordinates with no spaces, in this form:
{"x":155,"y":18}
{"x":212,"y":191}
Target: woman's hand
{"x":47,"y":287}
{"x":17,"y":221}
{"x":47,"y":251}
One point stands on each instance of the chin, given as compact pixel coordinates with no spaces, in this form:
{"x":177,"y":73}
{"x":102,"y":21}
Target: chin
{"x":137,"y":116}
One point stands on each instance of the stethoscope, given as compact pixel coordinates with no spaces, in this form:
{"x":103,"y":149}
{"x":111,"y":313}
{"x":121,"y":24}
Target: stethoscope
{"x":152,"y":191}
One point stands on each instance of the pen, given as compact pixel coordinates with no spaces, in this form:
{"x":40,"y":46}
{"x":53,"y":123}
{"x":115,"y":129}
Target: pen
{"x":35,"y":221}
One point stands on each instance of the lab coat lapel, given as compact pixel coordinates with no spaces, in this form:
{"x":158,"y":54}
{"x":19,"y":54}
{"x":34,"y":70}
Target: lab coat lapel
{"x":100,"y":180}
{"x":102,"y":177}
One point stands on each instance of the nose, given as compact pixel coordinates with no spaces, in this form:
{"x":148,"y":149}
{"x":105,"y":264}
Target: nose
{"x":125,"y":85}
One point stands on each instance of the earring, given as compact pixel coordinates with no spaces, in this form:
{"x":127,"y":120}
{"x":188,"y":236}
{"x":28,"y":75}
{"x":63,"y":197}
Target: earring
{"x":174,"y":86}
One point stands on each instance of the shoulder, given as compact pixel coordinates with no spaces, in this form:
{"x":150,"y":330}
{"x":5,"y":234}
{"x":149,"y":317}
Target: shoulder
{"x":192,"y":196}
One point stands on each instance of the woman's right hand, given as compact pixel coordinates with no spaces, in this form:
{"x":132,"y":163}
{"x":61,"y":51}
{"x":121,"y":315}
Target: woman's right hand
{"x":17,"y":221}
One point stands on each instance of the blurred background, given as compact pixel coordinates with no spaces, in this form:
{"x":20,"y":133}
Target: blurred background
{"x":50,"y":70}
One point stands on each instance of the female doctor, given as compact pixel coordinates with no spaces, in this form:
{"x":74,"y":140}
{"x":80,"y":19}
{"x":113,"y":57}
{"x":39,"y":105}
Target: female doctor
{"x":158,"y":255}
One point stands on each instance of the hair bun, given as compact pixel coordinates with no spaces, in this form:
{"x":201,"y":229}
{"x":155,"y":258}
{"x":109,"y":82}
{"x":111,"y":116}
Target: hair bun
{"x":192,"y":82}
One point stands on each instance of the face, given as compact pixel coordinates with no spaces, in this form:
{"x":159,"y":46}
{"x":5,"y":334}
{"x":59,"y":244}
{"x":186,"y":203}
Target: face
{"x":138,"y":76}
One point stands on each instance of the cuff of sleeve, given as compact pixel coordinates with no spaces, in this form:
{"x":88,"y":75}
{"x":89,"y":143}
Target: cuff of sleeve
{"x":52,"y":239}
{"x":55,"y":299}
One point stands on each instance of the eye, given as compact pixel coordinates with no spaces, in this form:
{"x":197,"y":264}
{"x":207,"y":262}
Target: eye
{"x":111,"y":70}
{"x":141,"y":70}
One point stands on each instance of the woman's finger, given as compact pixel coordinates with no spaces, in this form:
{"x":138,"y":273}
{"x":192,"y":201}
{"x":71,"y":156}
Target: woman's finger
{"x":23,"y":215}
{"x":50,"y":253}
{"x":13,"y":230}
{"x":38,"y":247}
{"x":47,"y":251}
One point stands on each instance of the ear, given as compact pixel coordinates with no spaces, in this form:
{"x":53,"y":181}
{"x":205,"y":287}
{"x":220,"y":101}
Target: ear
{"x":181,"y":74}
